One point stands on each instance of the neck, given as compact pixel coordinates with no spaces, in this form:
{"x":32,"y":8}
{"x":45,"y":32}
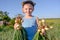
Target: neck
{"x":28,"y":16}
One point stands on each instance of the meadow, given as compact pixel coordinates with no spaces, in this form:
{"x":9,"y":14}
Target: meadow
{"x":54,"y":33}
{"x":6,"y":32}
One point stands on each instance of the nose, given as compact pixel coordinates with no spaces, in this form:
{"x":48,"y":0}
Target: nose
{"x":28,"y":10}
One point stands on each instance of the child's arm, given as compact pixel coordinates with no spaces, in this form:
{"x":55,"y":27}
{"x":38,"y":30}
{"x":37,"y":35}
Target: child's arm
{"x":38,"y":23}
{"x":37,"y":20}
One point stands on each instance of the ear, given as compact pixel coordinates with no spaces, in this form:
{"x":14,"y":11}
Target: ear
{"x":22,"y":9}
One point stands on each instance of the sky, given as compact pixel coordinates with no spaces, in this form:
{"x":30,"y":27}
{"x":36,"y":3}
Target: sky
{"x":42,"y":9}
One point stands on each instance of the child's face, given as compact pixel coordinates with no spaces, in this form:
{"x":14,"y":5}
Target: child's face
{"x":28,"y":9}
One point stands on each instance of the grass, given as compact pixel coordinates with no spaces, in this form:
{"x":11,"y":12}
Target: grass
{"x":54,"y":33}
{"x":6,"y":33}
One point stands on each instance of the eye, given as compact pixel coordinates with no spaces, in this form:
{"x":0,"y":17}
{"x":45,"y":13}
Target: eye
{"x":25,"y":8}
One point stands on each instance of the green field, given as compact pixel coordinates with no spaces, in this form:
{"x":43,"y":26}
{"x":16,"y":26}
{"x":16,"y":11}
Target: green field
{"x":6,"y":32}
{"x":54,"y":33}
{"x":53,"y":20}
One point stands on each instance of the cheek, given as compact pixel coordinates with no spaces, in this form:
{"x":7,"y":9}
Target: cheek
{"x":31,"y":10}
{"x":24,"y":11}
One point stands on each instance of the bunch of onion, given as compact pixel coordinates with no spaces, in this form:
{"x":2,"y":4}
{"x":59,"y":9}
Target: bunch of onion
{"x":19,"y":31}
{"x":40,"y":32}
{"x":38,"y":35}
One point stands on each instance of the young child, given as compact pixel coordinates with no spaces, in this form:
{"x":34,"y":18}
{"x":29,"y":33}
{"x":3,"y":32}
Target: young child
{"x":30,"y":22}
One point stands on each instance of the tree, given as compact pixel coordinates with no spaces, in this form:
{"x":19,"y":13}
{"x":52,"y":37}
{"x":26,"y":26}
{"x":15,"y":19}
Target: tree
{"x":4,"y":16}
{"x":12,"y":21}
{"x":1,"y":15}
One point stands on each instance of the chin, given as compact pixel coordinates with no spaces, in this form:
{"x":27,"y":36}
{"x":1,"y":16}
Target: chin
{"x":28,"y":15}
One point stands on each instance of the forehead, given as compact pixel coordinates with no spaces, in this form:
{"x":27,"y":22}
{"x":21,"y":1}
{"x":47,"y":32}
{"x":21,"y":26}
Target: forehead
{"x":28,"y":5}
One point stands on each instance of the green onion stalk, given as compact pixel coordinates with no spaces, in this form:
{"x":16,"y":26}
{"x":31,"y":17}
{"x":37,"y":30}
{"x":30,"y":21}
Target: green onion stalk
{"x":20,"y":34}
{"x":38,"y":36}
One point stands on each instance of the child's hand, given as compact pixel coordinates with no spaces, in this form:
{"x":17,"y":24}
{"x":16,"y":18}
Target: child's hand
{"x":16,"y":26}
{"x":43,"y":32}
